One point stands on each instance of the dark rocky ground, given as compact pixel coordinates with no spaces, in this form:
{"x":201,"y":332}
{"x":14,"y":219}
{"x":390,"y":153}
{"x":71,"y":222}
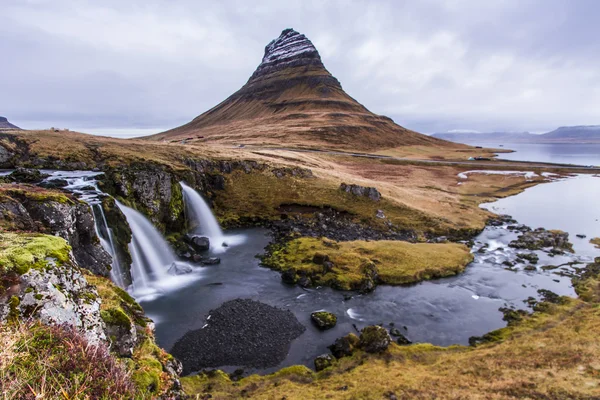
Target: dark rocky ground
{"x":240,"y":332}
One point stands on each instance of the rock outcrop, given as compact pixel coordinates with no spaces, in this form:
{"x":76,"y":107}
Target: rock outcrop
{"x":361,"y":191}
{"x":5,"y":125}
{"x":27,"y":208}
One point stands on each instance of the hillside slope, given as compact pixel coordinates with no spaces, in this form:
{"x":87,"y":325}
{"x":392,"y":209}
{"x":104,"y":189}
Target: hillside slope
{"x":292,"y":100}
{"x":5,"y":125}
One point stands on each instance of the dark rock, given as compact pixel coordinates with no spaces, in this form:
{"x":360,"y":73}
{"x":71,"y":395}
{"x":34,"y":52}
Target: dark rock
{"x":320,"y":258}
{"x":344,"y":346}
{"x":580,"y":236}
{"x":200,"y":243}
{"x":25,"y":175}
{"x":304,"y":281}
{"x":531,"y":257}
{"x":374,"y":339}
{"x":54,"y":184}
{"x":530,"y":268}
{"x":323,"y":319}
{"x":323,"y":361}
{"x":403,"y":341}
{"x":289,"y":276}
{"x":210,"y":260}
{"x":240,"y":332}
{"x":541,"y":238}
{"x":361,"y":191}
{"x":395,"y":332}
{"x":508,"y":263}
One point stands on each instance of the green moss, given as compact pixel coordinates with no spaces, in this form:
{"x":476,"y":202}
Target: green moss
{"x":13,"y":307}
{"x":37,"y":194}
{"x":19,"y":252}
{"x":116,"y":317}
{"x":354,"y":262}
{"x":260,"y":196}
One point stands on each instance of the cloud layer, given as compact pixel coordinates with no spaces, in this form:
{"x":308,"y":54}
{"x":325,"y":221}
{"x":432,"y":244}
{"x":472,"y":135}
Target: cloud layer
{"x":431,"y":65}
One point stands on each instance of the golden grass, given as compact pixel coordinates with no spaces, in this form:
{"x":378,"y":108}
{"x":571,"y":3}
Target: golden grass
{"x":396,"y":262}
{"x":596,"y":242}
{"x":551,"y":356}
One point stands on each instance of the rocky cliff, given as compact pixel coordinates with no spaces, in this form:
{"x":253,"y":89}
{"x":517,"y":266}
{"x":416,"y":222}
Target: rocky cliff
{"x":5,"y":125}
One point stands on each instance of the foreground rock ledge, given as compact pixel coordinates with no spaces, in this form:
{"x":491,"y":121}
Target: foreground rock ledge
{"x":240,"y":332}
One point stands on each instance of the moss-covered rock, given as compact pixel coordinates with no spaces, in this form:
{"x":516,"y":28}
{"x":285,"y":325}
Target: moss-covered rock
{"x":323,"y":319}
{"x":374,"y":339}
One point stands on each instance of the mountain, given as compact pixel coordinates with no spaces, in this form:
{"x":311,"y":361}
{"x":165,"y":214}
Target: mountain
{"x":581,"y":133}
{"x":5,"y":125}
{"x":292,"y":100}
{"x":564,"y":134}
{"x":488,"y":137}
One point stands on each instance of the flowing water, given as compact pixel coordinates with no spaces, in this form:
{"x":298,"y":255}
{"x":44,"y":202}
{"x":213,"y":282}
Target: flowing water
{"x":443,"y":312}
{"x":203,"y":223}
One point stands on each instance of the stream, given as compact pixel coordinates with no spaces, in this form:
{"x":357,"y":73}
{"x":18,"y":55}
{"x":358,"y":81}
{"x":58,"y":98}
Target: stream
{"x":443,"y":312}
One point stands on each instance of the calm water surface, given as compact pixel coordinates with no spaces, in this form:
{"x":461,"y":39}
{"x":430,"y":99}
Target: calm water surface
{"x":443,"y":312}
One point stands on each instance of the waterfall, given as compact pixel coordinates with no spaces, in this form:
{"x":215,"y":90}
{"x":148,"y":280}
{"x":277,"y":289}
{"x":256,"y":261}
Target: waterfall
{"x":203,"y":222}
{"x":105,"y":234}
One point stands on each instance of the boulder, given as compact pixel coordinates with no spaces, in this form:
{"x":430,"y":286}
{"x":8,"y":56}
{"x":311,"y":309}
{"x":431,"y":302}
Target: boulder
{"x":374,"y":339}
{"x":200,"y":243}
{"x":207,"y":260}
{"x":180,"y":269}
{"x":54,"y":184}
{"x":26,"y":175}
{"x":323,"y":361}
{"x":361,"y":191}
{"x":344,"y":346}
{"x":324,"y":320}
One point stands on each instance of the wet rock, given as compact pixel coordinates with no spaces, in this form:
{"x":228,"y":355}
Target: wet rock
{"x":289,"y":276}
{"x":374,"y":339}
{"x":54,"y":183}
{"x":200,"y":243}
{"x":403,"y":341}
{"x":500,"y":220}
{"x":530,"y":268}
{"x":209,"y":260}
{"x":508,"y":263}
{"x":323,"y":361}
{"x":361,"y":191}
{"x":180,"y":269}
{"x":25,"y":175}
{"x":580,"y":236}
{"x":540,"y":238}
{"x":240,"y":332}
{"x":344,"y":346}
{"x":323,"y":319}
{"x":304,"y":281}
{"x":531,"y":257}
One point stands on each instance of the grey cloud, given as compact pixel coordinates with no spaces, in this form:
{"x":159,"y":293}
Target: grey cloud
{"x":430,"y":65}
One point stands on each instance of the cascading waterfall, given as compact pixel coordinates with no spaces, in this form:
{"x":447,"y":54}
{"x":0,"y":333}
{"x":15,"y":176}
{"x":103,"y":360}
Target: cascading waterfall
{"x":151,"y":254}
{"x":105,"y":234}
{"x":203,"y":222}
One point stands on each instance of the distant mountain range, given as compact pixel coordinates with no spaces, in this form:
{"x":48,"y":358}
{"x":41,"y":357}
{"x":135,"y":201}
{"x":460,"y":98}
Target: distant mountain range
{"x":564,"y":134}
{"x":5,"y":125}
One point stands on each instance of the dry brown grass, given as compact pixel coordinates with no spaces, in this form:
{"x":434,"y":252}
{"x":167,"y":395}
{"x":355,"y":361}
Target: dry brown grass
{"x":552,"y":356}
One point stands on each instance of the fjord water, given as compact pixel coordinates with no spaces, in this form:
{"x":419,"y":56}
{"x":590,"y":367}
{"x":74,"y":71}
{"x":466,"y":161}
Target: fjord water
{"x":443,"y":312}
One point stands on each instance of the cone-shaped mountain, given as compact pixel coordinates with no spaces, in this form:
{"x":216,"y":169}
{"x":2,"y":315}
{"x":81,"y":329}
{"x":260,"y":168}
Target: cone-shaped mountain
{"x":292,"y":100}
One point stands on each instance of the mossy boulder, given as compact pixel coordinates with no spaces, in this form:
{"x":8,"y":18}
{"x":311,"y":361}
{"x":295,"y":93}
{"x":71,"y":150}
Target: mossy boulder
{"x":324,"y":320}
{"x":323,"y":361}
{"x":374,"y":339}
{"x":345,"y":346}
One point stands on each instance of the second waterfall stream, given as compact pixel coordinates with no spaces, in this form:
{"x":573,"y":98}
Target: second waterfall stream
{"x":202,"y":221}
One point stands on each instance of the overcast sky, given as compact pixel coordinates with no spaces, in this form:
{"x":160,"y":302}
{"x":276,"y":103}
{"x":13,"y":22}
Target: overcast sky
{"x":430,"y":65}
